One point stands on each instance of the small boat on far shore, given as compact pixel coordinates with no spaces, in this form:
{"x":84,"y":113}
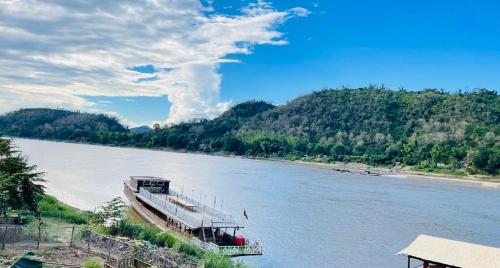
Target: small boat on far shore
{"x":360,"y":172}
{"x":370,"y":173}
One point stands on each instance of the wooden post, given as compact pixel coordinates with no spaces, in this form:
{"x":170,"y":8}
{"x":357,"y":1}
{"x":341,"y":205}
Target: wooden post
{"x":58,"y":222}
{"x":109,"y":251}
{"x":203,"y":231}
{"x":39,"y":230}
{"x":88,"y":241}
{"x":17,"y":232}
{"x":213,"y":233}
{"x":4,"y":231}
{"x":72,"y":233}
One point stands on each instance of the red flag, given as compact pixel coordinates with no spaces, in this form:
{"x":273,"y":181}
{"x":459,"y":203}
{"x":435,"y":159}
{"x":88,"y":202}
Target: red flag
{"x":245,"y":213}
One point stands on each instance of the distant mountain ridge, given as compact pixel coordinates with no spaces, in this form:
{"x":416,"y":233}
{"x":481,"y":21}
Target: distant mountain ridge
{"x":140,"y":129}
{"x":430,"y":129}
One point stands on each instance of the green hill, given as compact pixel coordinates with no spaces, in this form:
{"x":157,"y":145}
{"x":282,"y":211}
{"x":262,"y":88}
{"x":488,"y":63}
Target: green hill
{"x":377,"y":126}
{"x":431,"y":130}
{"x":58,"y":124}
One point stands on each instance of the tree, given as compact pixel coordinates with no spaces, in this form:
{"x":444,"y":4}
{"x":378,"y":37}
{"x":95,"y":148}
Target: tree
{"x":20,"y":186}
{"x":338,"y":151}
{"x":487,"y":159}
{"x":110,"y":213}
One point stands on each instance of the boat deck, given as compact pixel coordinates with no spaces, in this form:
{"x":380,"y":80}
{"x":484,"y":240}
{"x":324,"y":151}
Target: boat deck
{"x":186,"y":210}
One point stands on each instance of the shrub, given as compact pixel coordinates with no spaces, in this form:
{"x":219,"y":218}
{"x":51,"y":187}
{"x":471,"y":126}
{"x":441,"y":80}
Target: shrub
{"x":125,"y":228}
{"x":148,"y":233}
{"x":93,"y":263}
{"x":190,"y":249}
{"x":166,"y":239}
{"x":27,"y":218}
{"x":211,"y":260}
{"x":135,"y":231}
{"x":83,"y":233}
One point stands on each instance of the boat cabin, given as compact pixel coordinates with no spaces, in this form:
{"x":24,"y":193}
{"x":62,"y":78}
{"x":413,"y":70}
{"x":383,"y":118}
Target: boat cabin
{"x":152,"y":184}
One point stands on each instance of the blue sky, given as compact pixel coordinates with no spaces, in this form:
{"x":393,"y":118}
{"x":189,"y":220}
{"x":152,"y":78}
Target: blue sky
{"x":412,"y":44}
{"x":281,"y":50}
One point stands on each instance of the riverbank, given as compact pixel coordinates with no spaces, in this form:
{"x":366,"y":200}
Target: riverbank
{"x":69,"y":237}
{"x":398,"y":173}
{"x":354,"y":168}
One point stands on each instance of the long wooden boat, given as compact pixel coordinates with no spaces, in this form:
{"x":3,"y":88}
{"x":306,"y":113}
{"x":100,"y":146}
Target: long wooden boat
{"x":209,"y":228}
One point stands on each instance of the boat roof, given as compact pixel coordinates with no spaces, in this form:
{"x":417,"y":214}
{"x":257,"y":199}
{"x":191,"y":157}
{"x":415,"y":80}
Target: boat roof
{"x":452,"y":253}
{"x":149,"y":178}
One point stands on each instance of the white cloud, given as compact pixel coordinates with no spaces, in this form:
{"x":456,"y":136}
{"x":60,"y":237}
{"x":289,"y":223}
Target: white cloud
{"x":123,"y":120}
{"x":52,"y":52}
{"x":299,"y":11}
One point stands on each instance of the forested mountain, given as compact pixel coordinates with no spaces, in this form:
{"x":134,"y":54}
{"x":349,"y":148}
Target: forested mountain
{"x":57,"y":124}
{"x":377,"y":126}
{"x":428,"y":129}
{"x":140,"y":129}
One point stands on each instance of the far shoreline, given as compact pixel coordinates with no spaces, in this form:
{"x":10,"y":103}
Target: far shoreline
{"x":358,"y":168}
{"x":348,"y":168}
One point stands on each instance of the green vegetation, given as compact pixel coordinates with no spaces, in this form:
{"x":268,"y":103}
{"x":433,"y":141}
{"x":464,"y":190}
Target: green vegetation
{"x":93,"y":263}
{"x":166,"y":239}
{"x":152,"y":236}
{"x":429,"y":130}
{"x":190,"y":249}
{"x":21,"y":191}
{"x":20,"y":184}
{"x":51,"y":207}
{"x":211,"y":260}
{"x":59,"y":125}
{"x":110,"y":213}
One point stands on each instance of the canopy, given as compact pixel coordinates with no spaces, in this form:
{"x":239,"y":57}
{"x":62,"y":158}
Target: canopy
{"x":28,"y":260}
{"x":452,"y":253}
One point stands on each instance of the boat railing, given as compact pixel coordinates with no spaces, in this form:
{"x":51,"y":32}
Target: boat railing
{"x":173,"y":209}
{"x":206,"y":246}
{"x":250,"y":248}
{"x":224,"y":216}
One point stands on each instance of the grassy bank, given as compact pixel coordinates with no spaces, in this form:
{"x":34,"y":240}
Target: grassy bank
{"x":50,"y":207}
{"x":132,"y":226}
{"x":154,"y":237}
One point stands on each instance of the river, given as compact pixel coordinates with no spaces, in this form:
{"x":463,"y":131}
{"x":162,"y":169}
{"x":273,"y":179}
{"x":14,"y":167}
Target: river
{"x":303,"y":216}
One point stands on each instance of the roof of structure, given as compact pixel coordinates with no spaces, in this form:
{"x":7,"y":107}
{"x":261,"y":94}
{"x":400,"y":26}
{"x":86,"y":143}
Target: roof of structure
{"x":452,"y":253}
{"x":149,"y":178}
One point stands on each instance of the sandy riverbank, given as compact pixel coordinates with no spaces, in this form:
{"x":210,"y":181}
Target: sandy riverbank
{"x":363,"y":169}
